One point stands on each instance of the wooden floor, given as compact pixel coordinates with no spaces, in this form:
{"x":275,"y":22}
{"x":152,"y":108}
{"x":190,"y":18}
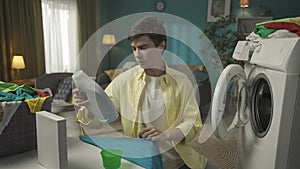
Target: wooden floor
{"x":222,"y":154}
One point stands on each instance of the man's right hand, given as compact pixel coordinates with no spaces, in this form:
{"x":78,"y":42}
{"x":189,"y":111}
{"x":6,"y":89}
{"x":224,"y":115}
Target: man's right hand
{"x":80,"y":97}
{"x":83,"y":115}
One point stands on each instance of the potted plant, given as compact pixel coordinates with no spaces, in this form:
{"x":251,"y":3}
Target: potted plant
{"x":223,"y":36}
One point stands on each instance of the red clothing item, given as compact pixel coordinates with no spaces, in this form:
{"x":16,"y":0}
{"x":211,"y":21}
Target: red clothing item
{"x":43,"y":94}
{"x":292,"y":27}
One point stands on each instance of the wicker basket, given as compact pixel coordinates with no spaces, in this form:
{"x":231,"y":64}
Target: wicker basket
{"x":20,"y":133}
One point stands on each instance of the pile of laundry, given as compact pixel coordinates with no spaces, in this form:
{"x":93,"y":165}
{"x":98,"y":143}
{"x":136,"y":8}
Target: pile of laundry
{"x":10,"y":92}
{"x":13,"y":95}
{"x":280,"y":28}
{"x":14,"y":92}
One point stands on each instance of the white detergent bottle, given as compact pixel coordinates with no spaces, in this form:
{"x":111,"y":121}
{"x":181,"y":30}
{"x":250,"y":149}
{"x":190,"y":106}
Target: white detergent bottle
{"x":98,"y":102}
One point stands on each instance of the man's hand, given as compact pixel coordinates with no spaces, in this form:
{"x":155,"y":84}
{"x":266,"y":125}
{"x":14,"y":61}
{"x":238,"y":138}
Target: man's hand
{"x":151,"y":133}
{"x":79,"y":97}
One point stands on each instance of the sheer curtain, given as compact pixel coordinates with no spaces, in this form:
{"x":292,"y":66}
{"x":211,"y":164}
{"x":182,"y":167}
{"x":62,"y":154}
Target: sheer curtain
{"x":60,"y":35}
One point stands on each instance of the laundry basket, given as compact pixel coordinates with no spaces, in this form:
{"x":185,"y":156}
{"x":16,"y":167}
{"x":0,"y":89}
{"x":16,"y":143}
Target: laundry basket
{"x":20,"y":133}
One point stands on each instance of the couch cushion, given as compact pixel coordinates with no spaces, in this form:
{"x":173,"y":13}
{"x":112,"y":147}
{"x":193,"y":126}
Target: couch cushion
{"x":113,"y":73}
{"x":51,"y":80}
{"x":64,"y":90}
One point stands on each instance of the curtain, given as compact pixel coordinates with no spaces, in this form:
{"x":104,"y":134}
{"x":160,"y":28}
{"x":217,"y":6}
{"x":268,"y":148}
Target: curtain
{"x":60,"y":22}
{"x":21,"y":33}
{"x":89,"y":17}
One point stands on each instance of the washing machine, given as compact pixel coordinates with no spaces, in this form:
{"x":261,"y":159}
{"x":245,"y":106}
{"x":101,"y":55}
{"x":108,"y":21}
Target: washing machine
{"x":259,"y":104}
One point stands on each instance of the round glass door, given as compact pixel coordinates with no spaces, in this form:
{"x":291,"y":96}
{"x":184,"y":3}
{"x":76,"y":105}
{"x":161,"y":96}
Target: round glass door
{"x":230,"y":109}
{"x":262,"y":106}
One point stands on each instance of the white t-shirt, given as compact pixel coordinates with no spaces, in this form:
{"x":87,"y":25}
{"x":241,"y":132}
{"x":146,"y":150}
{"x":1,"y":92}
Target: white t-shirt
{"x":153,"y":107}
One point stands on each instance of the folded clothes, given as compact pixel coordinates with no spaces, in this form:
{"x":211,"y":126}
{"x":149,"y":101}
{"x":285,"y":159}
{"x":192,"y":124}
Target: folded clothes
{"x":264,"y":29}
{"x":282,"y":33}
{"x":295,"y":20}
{"x":292,"y":27}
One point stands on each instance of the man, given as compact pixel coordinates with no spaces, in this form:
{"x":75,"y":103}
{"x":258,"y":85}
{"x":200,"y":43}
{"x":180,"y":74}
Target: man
{"x":155,"y":101}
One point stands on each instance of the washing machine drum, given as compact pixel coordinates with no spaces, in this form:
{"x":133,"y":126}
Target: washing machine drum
{"x":261,"y":105}
{"x":234,"y":103}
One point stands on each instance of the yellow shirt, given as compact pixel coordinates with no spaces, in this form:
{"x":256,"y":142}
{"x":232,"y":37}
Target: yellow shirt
{"x":181,"y":108}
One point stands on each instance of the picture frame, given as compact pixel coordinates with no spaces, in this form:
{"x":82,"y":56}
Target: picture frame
{"x":247,"y":25}
{"x":217,"y":8}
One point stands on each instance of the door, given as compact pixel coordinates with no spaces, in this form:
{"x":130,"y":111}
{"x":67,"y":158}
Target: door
{"x":230,"y":107}
{"x":261,"y":104}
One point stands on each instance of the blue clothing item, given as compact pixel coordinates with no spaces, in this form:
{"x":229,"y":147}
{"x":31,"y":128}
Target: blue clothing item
{"x":139,"y":151}
{"x":14,"y":92}
{"x":19,"y":95}
{"x":9,"y":97}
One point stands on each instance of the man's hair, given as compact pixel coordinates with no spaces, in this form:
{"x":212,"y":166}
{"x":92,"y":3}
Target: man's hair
{"x":150,"y":26}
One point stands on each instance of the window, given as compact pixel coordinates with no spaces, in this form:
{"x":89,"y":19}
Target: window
{"x":60,"y":35}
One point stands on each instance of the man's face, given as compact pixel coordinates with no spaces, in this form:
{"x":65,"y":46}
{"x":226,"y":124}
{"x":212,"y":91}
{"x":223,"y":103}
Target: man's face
{"x":146,"y":53}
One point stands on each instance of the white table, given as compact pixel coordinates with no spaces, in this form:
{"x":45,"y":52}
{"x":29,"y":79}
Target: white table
{"x":80,"y":156}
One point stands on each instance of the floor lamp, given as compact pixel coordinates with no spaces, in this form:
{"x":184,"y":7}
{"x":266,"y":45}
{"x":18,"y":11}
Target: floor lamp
{"x":109,"y":39}
{"x":18,"y":63}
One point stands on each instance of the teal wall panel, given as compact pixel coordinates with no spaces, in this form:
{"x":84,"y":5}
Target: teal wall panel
{"x":194,"y":11}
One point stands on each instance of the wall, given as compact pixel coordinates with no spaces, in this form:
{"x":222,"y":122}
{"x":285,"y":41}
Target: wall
{"x":280,"y":9}
{"x":194,"y":11}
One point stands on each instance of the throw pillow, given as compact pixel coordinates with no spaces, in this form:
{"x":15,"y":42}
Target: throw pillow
{"x":64,"y":90}
{"x":113,"y":73}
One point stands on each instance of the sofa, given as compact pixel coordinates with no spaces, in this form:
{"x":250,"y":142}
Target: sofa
{"x":197,"y":72}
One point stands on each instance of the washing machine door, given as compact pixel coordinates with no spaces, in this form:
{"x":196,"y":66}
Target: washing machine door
{"x":229,"y":109}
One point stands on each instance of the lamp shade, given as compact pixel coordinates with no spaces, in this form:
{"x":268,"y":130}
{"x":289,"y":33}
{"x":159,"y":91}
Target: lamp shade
{"x":18,"y":62}
{"x":244,"y":3}
{"x":108,"y":39}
